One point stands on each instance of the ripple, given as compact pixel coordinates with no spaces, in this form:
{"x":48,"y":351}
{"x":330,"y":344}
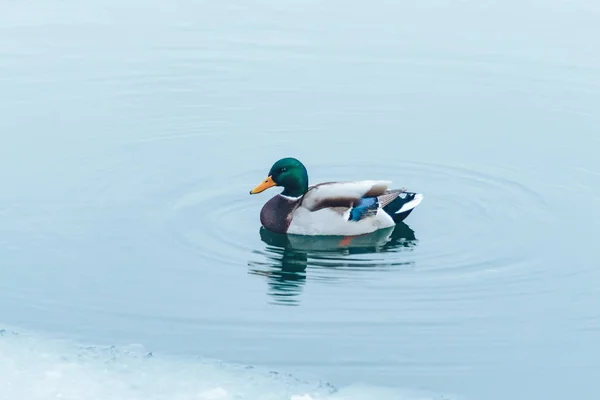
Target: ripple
{"x":476,"y":225}
{"x":473,"y":225}
{"x":217,"y":223}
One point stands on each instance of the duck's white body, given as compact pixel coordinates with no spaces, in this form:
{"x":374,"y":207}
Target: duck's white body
{"x":328,"y":221}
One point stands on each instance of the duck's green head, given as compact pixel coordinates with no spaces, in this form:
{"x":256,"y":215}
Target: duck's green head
{"x":288,"y":173}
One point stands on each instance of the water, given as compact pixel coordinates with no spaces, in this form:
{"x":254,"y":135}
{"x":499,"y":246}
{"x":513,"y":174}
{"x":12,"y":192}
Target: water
{"x":132,"y":132}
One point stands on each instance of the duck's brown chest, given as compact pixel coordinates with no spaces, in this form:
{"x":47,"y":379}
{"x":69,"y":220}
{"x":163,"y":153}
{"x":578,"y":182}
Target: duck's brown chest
{"x":276,"y":214}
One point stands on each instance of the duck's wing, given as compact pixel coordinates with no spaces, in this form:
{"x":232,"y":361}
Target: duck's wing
{"x":389,"y":196}
{"x":342,"y":194}
{"x":368,"y":206}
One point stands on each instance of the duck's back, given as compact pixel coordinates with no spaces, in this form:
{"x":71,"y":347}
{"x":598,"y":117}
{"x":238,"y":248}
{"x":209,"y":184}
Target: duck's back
{"x":276,"y":214}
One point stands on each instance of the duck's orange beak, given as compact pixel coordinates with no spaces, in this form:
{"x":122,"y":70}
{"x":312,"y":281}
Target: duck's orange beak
{"x":264,"y":185}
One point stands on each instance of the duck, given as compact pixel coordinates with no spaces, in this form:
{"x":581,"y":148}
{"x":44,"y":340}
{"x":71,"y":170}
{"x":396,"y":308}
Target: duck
{"x":336,"y":208}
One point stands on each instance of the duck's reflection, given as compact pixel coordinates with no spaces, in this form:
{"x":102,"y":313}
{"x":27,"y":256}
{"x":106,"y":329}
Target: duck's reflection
{"x":288,"y":256}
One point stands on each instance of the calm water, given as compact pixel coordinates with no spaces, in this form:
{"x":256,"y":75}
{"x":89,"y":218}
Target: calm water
{"x":131,"y":133}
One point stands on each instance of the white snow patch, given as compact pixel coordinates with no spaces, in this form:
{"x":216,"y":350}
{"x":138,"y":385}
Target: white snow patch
{"x":35,"y":368}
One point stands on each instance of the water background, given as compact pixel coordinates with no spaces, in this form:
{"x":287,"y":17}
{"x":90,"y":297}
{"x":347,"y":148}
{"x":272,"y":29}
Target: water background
{"x":131,"y":133}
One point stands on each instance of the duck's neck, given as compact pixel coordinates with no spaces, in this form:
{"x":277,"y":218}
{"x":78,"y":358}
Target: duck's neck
{"x":296,"y":187}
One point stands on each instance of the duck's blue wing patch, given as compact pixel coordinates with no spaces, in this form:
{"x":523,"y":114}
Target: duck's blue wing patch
{"x":366,"y":207}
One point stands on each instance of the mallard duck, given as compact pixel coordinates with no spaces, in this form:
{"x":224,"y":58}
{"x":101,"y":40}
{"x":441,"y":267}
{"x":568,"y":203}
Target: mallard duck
{"x":331,"y":208}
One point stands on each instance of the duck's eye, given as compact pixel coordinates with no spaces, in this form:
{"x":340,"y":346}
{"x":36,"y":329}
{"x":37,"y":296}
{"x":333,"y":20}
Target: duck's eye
{"x":283,"y":169}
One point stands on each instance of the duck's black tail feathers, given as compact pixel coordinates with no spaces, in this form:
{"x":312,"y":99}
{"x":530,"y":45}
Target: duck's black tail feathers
{"x":399,"y":203}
